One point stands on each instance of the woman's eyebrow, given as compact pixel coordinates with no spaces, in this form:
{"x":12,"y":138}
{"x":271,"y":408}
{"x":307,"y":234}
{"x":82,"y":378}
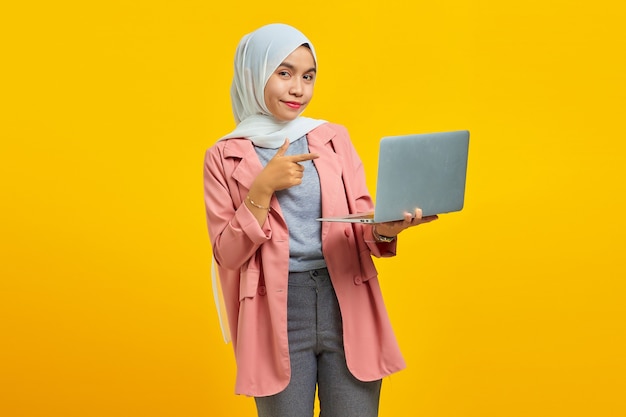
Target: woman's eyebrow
{"x":292,"y":67}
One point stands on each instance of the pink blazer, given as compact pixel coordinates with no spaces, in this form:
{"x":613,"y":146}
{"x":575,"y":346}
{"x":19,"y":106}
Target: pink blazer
{"x":253,"y":263}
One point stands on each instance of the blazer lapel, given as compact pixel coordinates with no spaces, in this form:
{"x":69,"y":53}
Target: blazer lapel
{"x":249,"y":165}
{"x":329,"y":168}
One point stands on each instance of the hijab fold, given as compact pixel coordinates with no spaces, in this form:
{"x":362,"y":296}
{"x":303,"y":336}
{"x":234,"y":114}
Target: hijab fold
{"x":258,"y":55}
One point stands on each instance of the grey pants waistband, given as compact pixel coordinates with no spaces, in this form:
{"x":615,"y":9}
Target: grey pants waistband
{"x":312,"y":278}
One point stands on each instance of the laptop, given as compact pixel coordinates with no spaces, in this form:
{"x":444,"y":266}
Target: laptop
{"x":425,"y":171}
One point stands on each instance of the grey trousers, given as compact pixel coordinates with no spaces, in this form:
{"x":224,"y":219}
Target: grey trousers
{"x":318,"y":358}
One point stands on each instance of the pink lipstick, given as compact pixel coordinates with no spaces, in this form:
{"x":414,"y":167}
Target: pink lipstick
{"x":292,"y":104}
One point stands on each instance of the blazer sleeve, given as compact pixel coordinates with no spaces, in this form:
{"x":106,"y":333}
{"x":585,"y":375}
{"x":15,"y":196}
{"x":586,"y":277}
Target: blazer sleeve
{"x":234,"y":231}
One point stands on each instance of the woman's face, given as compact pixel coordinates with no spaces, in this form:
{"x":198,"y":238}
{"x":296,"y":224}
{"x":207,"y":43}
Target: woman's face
{"x":290,"y":88}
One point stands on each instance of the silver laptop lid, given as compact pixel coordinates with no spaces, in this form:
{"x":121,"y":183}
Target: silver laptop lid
{"x":424,"y":170}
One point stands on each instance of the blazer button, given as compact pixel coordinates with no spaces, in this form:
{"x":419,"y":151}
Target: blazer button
{"x":262,"y":290}
{"x":358,"y":281}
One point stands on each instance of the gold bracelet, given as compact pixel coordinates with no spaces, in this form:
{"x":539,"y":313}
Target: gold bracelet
{"x":257,"y":205}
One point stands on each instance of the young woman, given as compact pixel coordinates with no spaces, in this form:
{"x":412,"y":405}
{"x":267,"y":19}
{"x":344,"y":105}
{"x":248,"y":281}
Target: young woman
{"x":302,"y":297}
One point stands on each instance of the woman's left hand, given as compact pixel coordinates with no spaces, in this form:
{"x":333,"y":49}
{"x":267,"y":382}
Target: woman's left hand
{"x":391,"y":229}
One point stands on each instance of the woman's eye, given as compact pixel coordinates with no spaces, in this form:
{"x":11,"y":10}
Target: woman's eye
{"x":308,"y":77}
{"x":283,"y":73}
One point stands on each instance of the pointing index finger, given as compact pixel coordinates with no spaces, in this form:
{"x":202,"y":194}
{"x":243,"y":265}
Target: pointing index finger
{"x":304,"y":157}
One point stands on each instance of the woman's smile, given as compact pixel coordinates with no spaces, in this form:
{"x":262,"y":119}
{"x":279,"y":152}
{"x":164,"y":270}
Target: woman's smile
{"x":293,"y":104}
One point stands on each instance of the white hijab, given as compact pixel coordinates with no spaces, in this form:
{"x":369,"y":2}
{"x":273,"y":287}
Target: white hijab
{"x":258,"y":55}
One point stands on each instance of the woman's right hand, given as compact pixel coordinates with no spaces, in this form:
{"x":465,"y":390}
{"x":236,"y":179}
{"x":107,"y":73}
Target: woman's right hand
{"x":281,"y":172}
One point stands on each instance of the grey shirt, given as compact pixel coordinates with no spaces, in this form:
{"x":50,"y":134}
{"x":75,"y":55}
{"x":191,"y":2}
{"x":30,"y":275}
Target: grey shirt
{"x":301,"y":205}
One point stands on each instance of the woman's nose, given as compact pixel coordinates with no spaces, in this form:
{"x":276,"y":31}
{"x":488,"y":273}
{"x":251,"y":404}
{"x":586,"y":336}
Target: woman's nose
{"x":296,"y":87}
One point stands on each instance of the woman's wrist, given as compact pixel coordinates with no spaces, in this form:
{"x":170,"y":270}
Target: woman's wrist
{"x":382,"y":238}
{"x":257,"y":205}
{"x":259,"y":197}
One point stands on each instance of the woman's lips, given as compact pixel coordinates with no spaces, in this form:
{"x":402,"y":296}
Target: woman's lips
{"x":293,"y":104}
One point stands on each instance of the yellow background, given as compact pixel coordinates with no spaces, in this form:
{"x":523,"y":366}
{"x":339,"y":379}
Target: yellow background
{"x":513,"y":307}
